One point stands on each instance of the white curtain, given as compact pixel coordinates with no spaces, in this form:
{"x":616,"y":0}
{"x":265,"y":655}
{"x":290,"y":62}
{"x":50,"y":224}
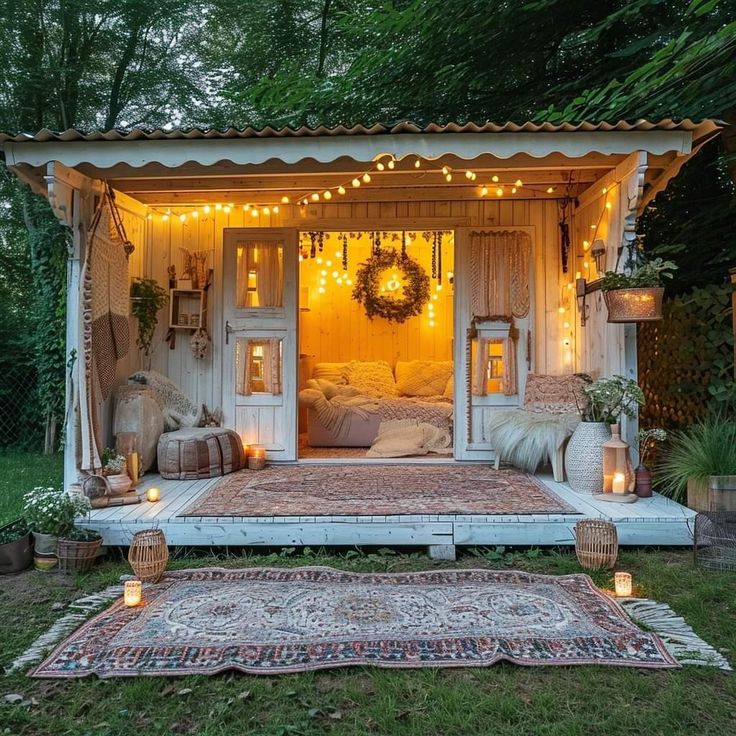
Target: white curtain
{"x":499,"y":283}
{"x":265,"y":259}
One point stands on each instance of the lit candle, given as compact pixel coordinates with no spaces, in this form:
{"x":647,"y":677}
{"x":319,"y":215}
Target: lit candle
{"x":153,"y":494}
{"x":618,"y":484}
{"x":257,"y":458}
{"x":132,"y":593}
{"x":622,"y":581}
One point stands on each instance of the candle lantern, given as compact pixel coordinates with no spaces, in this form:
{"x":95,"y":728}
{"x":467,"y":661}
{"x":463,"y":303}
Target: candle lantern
{"x":153,"y":494}
{"x":618,"y":471}
{"x":622,"y":581}
{"x":132,"y":593}
{"x":257,"y":458}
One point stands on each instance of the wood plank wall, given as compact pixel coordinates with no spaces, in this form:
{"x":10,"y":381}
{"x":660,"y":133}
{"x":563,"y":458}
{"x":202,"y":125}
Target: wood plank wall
{"x":202,"y":380}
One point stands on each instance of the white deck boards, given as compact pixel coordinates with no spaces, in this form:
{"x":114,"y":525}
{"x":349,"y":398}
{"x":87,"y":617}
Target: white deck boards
{"x":654,"y":521}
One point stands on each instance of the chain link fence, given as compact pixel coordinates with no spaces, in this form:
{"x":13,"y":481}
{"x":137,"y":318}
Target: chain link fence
{"x":22,"y":424}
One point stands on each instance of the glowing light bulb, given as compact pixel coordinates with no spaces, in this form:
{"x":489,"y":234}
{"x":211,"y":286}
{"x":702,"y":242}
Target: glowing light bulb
{"x":586,"y":265}
{"x":322,"y":282}
{"x":284,"y":200}
{"x":448,"y":178}
{"x":355,"y":183}
{"x":349,"y":282}
{"x":319,"y":261}
{"x":254,"y":212}
{"x":445,"y":170}
{"x":226,"y":209}
{"x":483,"y":191}
{"x":561,"y":310}
{"x":566,"y":325}
{"x":593,"y":227}
{"x":435,"y":297}
{"x":494,"y":178}
{"x":604,"y":190}
{"x":431,"y":323}
{"x":182,"y":217}
{"x":338,"y":281}
{"x":327,"y":194}
{"x":499,"y":192}
{"x":513,"y":190}
{"x":367,"y":178}
{"x":380,"y":166}
{"x":341,"y":189}
{"x":275,"y":209}
{"x":266,"y":211}
{"x":550,"y":190}
{"x":149,"y":216}
{"x":321,"y":290}
{"x":417,"y":164}
{"x":218,"y":207}
{"x":586,"y":245}
{"x":566,"y":343}
{"x":323,"y":272}
{"x":518,"y":183}
{"x":335,"y":274}
{"x":439,"y":287}
{"x":468,"y":174}
{"x":206,"y":209}
{"x":391,"y":164}
{"x":164,"y":217}
{"x":195,"y":214}
{"x":315,"y":196}
{"x":608,"y":205}
{"x":338,"y":254}
{"x":328,"y":263}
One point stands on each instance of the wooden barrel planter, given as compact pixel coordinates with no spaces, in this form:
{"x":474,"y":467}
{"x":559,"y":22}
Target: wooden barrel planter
{"x":148,"y":555}
{"x":596,"y":544}
{"x":634,"y":305}
{"x":77,"y":556}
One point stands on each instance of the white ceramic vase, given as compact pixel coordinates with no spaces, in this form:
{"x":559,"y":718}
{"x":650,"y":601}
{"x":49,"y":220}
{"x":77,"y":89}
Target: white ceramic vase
{"x":584,"y":457}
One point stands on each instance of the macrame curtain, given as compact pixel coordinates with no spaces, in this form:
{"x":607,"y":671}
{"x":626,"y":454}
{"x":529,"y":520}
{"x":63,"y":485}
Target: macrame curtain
{"x":105,"y":323}
{"x":271,"y":365}
{"x":499,"y":283}
{"x":265,"y":259}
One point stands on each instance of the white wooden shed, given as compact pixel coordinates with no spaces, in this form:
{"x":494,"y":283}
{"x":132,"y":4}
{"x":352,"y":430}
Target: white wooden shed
{"x":318,"y":193}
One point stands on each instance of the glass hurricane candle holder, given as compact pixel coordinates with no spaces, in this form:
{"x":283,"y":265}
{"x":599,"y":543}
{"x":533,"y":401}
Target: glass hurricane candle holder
{"x":257,"y":458}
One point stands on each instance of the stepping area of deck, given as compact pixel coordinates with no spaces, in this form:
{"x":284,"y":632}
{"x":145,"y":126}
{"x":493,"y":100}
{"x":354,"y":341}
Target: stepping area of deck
{"x":653,"y":521}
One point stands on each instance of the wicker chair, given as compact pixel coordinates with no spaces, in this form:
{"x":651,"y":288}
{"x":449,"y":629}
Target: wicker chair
{"x":539,"y":431}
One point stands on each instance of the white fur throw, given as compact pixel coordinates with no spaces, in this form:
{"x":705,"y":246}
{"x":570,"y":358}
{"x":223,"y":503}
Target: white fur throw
{"x":526,"y":439}
{"x":178,"y":409}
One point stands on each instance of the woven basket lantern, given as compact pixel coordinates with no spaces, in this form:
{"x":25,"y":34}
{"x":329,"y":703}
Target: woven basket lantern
{"x":596,"y":544}
{"x":148,"y":555}
{"x":634,"y":305}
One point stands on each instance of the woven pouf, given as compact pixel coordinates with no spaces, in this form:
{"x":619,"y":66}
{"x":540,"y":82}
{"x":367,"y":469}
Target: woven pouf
{"x":199,"y":452}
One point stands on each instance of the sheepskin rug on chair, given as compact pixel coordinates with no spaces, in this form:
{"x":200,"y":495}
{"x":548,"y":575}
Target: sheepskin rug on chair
{"x":525,"y":439}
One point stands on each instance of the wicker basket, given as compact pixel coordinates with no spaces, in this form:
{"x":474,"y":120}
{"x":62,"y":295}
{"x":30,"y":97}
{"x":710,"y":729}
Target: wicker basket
{"x":75,"y":556}
{"x":596,"y":544}
{"x":634,"y":305}
{"x":148,"y":555}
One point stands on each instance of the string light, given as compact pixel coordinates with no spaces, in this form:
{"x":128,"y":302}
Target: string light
{"x":499,"y":192}
{"x":226,"y":209}
{"x":206,"y":209}
{"x":380,"y":166}
{"x":315,"y":196}
{"x":494,"y":178}
{"x":341,"y":189}
{"x":417,"y":164}
{"x":182,"y":217}
{"x":483,"y":191}
{"x":254,"y":212}
{"x":327,"y":194}
{"x":367,"y":178}
{"x":391,"y":164}
{"x":355,"y":182}
{"x":284,"y":200}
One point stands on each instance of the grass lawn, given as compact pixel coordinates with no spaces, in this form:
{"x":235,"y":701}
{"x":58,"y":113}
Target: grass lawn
{"x":22,"y":471}
{"x":501,"y":700}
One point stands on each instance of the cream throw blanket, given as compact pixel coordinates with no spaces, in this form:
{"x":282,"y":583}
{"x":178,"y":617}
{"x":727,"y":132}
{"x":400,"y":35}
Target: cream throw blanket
{"x":406,"y":437}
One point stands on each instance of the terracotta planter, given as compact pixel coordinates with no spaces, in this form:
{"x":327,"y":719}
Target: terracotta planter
{"x":643,"y":487}
{"x":634,"y":305}
{"x":584,"y":457}
{"x":16,"y":555}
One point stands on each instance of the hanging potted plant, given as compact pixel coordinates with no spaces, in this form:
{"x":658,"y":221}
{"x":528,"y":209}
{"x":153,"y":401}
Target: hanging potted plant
{"x":148,"y":298}
{"x":637,"y":296}
{"x":50,"y":513}
{"x":16,"y":547}
{"x":646,"y":439}
{"x":608,"y":400}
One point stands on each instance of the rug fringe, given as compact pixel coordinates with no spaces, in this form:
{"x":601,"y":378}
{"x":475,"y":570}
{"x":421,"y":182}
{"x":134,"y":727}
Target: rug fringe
{"x":679,"y":638}
{"x":80,"y":610}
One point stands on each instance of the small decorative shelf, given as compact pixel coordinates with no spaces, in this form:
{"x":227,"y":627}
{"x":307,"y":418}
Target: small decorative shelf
{"x":187,"y":309}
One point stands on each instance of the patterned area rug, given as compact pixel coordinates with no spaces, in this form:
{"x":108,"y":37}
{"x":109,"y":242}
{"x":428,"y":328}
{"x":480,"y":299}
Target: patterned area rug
{"x":267,"y":621}
{"x":360,"y":490}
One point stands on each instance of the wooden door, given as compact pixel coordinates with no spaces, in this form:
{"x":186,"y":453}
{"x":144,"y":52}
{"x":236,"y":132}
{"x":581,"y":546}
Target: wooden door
{"x":470,"y":409}
{"x":260,"y":321}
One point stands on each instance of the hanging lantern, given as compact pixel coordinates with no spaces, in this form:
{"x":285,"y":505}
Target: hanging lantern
{"x":618,"y":470}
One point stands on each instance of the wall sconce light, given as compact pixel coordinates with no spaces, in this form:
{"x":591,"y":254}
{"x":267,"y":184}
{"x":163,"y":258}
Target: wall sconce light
{"x":598,"y":251}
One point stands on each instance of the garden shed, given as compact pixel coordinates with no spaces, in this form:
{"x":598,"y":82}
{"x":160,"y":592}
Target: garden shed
{"x":458,"y":259}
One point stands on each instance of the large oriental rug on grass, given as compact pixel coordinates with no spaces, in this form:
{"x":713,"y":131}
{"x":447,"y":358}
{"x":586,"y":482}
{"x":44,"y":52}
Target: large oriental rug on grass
{"x":279,"y":620}
{"x":366,"y":490}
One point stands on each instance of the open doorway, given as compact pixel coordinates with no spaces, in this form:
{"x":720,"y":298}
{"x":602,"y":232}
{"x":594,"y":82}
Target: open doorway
{"x":376,"y":371}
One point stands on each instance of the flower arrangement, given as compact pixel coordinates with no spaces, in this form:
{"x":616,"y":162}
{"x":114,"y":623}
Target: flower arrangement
{"x":609,"y":398}
{"x":646,"y":440}
{"x":644,"y":275}
{"x":53,"y":510}
{"x":113,"y":462}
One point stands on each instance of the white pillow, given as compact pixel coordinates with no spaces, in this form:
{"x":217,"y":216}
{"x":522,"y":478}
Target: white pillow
{"x":371,"y":378}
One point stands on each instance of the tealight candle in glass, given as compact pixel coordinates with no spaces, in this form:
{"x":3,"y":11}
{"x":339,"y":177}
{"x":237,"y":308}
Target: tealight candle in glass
{"x":132,"y":593}
{"x":622,"y":581}
{"x":257,"y":458}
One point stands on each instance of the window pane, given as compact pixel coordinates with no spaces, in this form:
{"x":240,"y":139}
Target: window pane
{"x":258,"y":366}
{"x":260,"y":275}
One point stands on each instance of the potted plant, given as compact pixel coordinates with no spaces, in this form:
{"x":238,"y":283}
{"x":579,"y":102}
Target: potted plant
{"x":636,"y":296}
{"x":608,"y":399}
{"x":50,"y":513}
{"x":115,"y":469}
{"x":646,"y":440}
{"x":77,"y":549}
{"x":148,"y":298}
{"x":16,"y":547}
{"x":699,"y":460}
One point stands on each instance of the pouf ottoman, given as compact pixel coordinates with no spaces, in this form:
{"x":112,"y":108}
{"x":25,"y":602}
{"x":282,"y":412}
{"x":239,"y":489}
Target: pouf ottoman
{"x":199,"y":452}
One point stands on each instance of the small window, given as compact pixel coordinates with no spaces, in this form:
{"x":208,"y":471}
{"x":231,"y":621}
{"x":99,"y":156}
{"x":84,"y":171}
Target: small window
{"x":260,"y":275}
{"x":258,"y":366}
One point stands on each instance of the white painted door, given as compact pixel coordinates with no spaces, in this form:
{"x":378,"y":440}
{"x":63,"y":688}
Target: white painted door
{"x":470,"y":409}
{"x":260,"y":321}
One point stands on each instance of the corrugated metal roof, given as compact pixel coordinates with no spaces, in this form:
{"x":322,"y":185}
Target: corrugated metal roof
{"x":407,"y":127}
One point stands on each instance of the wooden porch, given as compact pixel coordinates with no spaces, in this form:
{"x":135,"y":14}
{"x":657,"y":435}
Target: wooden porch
{"x":654,"y":521}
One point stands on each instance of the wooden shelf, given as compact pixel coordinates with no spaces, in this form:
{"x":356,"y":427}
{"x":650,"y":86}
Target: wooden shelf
{"x":187,"y":309}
